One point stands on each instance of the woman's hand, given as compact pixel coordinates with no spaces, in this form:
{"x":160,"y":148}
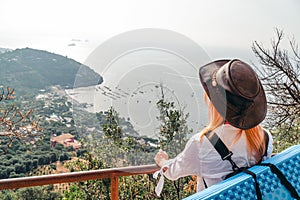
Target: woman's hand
{"x":161,"y":157}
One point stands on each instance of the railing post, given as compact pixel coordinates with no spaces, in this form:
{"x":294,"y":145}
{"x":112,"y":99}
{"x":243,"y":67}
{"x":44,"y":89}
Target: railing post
{"x":114,"y":187}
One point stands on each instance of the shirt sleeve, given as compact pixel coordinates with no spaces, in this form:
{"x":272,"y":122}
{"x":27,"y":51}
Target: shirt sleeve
{"x":186,"y":163}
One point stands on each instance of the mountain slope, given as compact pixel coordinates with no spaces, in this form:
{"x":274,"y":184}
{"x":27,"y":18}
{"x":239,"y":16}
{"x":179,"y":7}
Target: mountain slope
{"x":30,"y":69}
{"x":3,"y":50}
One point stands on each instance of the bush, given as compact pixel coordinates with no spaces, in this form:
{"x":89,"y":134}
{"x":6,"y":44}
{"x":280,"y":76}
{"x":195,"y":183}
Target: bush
{"x":14,"y":161}
{"x":35,"y":163}
{"x":14,"y":175}
{"x":53,"y":157}
{"x":53,"y":166}
{"x":40,"y":160}
{"x":8,"y":156}
{"x":3,"y":174}
{"x":20,"y":168}
{"x":58,"y":147}
{"x":6,"y":162}
{"x":10,"y":169}
{"x":81,"y":152}
{"x":30,"y":193}
{"x":46,"y":148}
{"x":28,"y":156}
{"x":7,"y":195}
{"x":74,"y":193}
{"x":64,"y":156}
{"x":28,"y":165}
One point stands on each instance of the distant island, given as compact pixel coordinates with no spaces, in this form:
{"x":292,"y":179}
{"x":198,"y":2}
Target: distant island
{"x":30,"y":70}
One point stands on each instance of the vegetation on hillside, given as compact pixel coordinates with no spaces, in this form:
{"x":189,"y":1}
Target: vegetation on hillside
{"x":127,"y":150}
{"x":29,"y":149}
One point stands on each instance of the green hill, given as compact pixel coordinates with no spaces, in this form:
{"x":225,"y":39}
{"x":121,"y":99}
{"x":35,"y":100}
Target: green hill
{"x":29,"y":70}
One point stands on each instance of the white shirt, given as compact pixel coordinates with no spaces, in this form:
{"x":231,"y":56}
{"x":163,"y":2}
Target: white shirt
{"x":201,"y":159}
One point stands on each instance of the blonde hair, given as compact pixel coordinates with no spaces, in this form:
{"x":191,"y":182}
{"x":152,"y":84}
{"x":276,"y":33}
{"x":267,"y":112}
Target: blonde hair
{"x":254,"y":137}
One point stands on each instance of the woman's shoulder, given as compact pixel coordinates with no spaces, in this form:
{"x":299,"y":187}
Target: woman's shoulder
{"x":194,"y":140}
{"x":196,"y":137}
{"x":221,"y":131}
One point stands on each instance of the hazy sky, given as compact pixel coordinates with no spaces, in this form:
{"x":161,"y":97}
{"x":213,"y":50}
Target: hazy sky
{"x":216,"y":25}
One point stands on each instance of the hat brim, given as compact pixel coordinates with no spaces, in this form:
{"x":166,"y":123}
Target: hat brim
{"x":254,"y":115}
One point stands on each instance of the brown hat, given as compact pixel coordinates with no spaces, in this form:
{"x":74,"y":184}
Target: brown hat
{"x":235,"y":91}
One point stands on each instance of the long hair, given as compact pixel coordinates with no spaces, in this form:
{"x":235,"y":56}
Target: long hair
{"x":214,"y":118}
{"x":254,"y":137}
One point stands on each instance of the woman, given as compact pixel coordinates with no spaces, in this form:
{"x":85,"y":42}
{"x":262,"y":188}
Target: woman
{"x":237,"y":105}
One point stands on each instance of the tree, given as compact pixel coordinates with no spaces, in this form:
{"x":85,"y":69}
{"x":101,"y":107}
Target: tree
{"x":124,"y":148}
{"x":280,"y":74}
{"x":15,"y":124}
{"x":112,"y":128}
{"x":173,"y":126}
{"x":172,"y":138}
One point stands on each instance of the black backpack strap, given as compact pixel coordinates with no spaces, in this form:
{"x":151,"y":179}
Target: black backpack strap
{"x":257,"y":189}
{"x":204,"y":182}
{"x":266,"y":142}
{"x":282,"y":179}
{"x":224,"y":151}
{"x":226,"y":155}
{"x":221,"y":148}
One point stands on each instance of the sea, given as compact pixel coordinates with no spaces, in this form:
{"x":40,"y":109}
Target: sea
{"x":133,"y":84}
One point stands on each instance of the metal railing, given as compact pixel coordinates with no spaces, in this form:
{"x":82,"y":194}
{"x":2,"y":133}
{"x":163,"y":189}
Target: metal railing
{"x":112,"y":173}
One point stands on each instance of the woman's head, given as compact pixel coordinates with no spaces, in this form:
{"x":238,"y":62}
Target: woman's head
{"x":235,"y":91}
